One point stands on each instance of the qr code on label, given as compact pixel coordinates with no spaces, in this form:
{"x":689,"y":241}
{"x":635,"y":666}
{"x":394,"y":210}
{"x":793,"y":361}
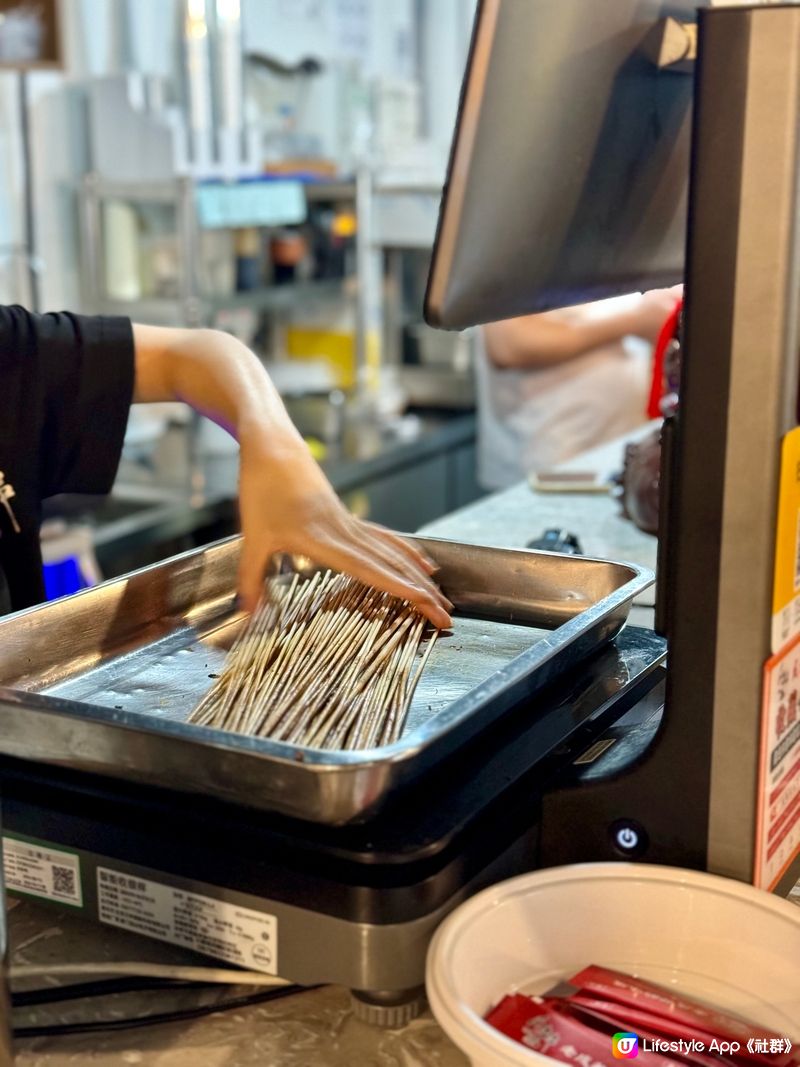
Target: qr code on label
{"x":64,"y":882}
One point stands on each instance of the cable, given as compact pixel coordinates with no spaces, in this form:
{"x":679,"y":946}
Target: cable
{"x":219,"y":976}
{"x":29,"y":998}
{"x":138,"y":1021}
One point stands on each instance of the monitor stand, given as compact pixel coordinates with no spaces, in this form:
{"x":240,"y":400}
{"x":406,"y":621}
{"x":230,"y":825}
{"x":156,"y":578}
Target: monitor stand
{"x":701,"y":778}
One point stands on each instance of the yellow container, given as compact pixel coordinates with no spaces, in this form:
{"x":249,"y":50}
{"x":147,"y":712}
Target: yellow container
{"x":336,"y":348}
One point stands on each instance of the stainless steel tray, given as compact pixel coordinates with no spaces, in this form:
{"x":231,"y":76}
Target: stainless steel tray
{"x":103,"y":681}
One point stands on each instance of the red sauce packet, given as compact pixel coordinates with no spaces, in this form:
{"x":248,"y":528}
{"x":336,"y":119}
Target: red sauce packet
{"x":689,"y":1045}
{"x":512,"y":1013}
{"x":584,"y":1027}
{"x":551,"y":1027}
{"x":678,"y":1016}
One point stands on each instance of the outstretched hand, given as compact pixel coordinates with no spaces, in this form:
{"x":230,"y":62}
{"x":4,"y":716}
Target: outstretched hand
{"x":285,"y":501}
{"x":287,"y":505}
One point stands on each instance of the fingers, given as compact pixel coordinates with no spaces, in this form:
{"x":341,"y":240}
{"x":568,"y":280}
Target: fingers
{"x":393,"y":558}
{"x":363,"y":550}
{"x":396,"y":553}
{"x":413,"y":552}
{"x":375,"y":556}
{"x":369,"y":566}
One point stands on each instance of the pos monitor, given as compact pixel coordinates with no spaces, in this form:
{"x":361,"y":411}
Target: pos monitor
{"x":568,"y":182}
{"x":568,"y":172}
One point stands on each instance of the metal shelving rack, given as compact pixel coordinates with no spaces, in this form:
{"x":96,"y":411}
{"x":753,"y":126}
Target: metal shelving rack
{"x":191,"y":306}
{"x":393,"y":219}
{"x":403,"y":218}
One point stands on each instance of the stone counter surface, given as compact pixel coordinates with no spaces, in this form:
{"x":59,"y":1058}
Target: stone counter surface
{"x":313,"y":1029}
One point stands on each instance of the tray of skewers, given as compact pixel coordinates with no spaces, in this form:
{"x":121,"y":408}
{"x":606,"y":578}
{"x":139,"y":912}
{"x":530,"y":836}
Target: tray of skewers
{"x":319,"y":704}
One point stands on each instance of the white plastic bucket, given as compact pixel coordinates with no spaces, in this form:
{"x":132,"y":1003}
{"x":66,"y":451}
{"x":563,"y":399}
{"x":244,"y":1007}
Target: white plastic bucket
{"x":720,"y":941}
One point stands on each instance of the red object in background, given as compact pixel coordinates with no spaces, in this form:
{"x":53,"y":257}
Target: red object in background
{"x":288,"y":248}
{"x":668,"y":331}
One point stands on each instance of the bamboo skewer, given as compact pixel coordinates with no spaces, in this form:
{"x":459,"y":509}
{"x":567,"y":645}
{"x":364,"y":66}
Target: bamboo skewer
{"x":402,"y":702}
{"x":325,"y":662}
{"x":313,"y":669}
{"x":409,"y":696}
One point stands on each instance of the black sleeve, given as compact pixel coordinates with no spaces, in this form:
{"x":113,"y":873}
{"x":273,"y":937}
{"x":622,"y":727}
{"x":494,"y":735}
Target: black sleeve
{"x":69,"y":379}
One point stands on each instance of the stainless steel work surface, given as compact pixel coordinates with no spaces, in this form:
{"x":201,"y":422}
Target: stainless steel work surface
{"x":103,"y":681}
{"x":168,"y":677}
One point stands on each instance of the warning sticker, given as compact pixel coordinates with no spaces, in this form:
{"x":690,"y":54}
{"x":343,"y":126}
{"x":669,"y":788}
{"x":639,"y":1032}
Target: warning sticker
{"x":786,"y":587}
{"x":778,"y":825}
{"x":216,"y":928}
{"x":41,"y":871}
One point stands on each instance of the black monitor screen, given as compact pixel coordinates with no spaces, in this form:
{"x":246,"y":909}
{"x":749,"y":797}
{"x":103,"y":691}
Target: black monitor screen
{"x":569,"y":168}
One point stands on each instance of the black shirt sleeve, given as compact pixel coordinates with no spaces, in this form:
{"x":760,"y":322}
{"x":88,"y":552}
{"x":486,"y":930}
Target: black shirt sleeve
{"x":66,"y":385}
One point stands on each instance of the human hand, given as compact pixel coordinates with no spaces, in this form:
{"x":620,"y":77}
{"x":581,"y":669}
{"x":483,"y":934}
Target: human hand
{"x":287,"y":505}
{"x":285,"y":501}
{"x":653,"y":310}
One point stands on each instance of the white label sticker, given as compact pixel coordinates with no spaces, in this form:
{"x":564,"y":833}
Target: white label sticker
{"x":216,"y":928}
{"x":41,"y":871}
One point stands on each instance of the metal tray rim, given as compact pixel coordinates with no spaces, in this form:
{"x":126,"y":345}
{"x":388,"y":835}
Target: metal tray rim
{"x":400,"y":751}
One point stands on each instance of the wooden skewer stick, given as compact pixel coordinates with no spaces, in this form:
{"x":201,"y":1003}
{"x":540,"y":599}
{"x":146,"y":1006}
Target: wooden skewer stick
{"x":312,"y":664}
{"x":402,"y":697}
{"x":323,"y":674}
{"x":336,"y":700}
{"x":398,"y":729}
{"x":323,"y":662}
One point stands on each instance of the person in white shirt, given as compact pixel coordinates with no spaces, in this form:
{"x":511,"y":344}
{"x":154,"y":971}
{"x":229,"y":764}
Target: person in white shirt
{"x":556,"y":384}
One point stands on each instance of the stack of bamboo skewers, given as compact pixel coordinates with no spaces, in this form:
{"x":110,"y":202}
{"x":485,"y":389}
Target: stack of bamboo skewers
{"x":326,"y":662}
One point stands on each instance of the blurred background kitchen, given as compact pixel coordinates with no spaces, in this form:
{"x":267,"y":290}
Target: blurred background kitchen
{"x":267,"y":167}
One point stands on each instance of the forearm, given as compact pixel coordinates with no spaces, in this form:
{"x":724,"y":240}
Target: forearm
{"x":217,"y":376}
{"x":543,"y":340}
{"x":286,"y":503}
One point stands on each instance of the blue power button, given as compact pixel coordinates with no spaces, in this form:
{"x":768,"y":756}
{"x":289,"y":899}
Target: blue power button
{"x":629,"y":837}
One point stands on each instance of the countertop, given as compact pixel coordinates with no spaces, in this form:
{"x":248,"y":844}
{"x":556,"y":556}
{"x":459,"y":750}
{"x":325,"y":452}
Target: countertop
{"x":316,"y":1028}
{"x":312,"y":1029}
{"x":516,"y":516}
{"x":513,"y":517}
